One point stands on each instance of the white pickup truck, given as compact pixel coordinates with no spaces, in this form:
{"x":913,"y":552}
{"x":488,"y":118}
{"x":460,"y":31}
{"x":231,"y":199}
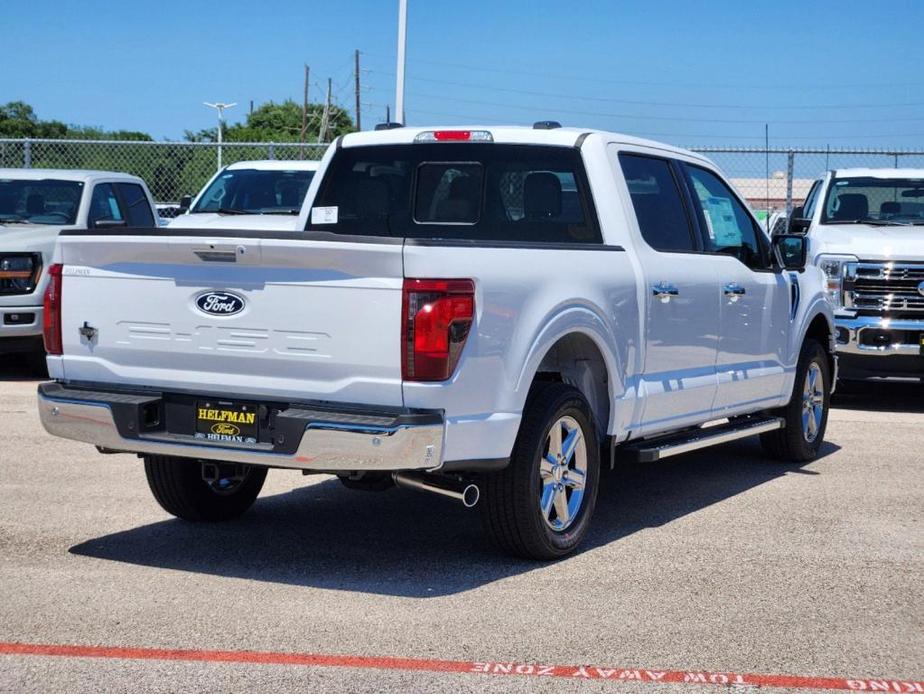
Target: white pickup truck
{"x":261,"y":194}
{"x":35,"y":206}
{"x":865,"y":230}
{"x":476,"y":312}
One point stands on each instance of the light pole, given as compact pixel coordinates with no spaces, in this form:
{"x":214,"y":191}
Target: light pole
{"x":220,"y":107}
{"x":402,"y":44}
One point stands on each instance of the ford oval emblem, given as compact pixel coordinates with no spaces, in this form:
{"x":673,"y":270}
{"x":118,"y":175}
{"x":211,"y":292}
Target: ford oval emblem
{"x":220,"y":303}
{"x":921,"y":288}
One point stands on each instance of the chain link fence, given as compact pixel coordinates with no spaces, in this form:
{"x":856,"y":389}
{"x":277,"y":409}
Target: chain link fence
{"x":171,"y":169}
{"x":771,"y":179}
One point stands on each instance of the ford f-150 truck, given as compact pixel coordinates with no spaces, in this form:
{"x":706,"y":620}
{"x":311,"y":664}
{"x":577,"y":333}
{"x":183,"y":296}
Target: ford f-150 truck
{"x":479,"y":312}
{"x":865,"y":231}
{"x":35,"y":206}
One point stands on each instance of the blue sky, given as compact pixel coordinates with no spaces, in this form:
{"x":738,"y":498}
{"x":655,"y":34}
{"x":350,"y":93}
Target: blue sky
{"x":843,"y":73}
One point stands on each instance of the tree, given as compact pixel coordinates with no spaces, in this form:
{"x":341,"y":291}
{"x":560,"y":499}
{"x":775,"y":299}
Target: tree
{"x":273,"y":122}
{"x":18,"y":119}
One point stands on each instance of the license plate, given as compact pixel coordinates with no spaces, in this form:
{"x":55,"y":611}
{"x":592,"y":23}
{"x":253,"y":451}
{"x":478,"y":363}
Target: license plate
{"x":227,"y":421}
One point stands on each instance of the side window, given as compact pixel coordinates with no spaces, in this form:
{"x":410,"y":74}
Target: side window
{"x":808,"y":208}
{"x":728,"y":226}
{"x":104,"y":206}
{"x":659,"y":208}
{"x":136,"y":205}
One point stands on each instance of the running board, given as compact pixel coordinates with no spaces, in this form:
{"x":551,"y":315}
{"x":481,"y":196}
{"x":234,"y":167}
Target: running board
{"x":674,"y":444}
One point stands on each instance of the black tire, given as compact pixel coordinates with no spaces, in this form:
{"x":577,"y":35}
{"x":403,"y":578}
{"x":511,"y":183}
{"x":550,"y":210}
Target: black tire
{"x":790,"y":444}
{"x":510,"y":507}
{"x":178,"y":486}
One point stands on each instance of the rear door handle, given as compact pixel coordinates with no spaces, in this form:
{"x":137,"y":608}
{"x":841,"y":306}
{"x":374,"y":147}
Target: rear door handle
{"x":733,"y":290}
{"x":664,"y":291}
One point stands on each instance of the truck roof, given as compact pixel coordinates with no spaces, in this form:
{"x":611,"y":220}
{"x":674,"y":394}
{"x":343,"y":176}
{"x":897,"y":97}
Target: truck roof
{"x":84,"y":175}
{"x":879,"y":173}
{"x":276,"y":165}
{"x":509,"y":134}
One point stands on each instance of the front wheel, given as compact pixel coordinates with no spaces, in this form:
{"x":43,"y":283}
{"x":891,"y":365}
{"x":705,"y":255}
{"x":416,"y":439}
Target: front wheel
{"x":540,"y":505}
{"x":182,"y":488}
{"x":806,"y":415}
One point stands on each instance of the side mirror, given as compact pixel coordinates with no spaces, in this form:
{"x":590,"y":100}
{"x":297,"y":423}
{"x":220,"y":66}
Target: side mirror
{"x":797,"y":224}
{"x":790,"y":251}
{"x":185,"y":203}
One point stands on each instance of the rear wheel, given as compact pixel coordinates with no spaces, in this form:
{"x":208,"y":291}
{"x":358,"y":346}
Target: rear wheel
{"x":540,"y":505}
{"x":195,"y":491}
{"x":806,"y":415}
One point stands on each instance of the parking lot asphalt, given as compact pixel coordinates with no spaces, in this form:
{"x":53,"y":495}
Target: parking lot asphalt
{"x":719,"y":561}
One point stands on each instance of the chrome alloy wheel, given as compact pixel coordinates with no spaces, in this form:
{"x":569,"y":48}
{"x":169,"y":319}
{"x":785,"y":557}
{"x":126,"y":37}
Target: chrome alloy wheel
{"x":562,"y":474}
{"x":813,"y":402}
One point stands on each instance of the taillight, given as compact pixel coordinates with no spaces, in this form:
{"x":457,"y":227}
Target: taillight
{"x":436,"y":318}
{"x":51,"y":321}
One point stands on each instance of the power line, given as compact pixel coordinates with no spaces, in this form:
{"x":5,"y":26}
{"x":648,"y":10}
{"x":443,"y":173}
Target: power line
{"x":682,"y":119}
{"x":608,"y":99}
{"x":577,"y":77}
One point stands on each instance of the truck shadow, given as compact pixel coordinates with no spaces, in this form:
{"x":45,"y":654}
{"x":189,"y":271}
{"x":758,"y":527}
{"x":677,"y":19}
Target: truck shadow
{"x":882,"y":396}
{"x":408,"y":544}
{"x":18,"y":367}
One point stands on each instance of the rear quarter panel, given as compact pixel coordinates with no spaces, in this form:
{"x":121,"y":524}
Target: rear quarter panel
{"x":526,"y":299}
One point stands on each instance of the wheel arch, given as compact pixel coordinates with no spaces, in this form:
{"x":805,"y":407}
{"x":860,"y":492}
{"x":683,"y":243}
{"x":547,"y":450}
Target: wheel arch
{"x":576,"y":352}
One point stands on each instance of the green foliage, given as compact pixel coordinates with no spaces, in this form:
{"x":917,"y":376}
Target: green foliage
{"x":18,"y":119}
{"x":273,"y":122}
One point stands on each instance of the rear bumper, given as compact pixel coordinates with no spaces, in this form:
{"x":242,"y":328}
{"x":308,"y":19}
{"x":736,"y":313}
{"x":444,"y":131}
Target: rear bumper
{"x":307,"y":436}
{"x":872,"y":346}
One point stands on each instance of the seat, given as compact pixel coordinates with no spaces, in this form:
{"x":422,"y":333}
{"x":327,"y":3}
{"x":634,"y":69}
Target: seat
{"x":851,"y":206}
{"x":888,"y":209}
{"x":461,"y":203}
{"x":541,"y":196}
{"x":35,"y":204}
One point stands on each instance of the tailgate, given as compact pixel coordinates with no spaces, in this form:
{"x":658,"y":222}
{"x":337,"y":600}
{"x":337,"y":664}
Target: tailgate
{"x":268,"y":317}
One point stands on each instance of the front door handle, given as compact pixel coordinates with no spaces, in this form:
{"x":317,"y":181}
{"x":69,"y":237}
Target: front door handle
{"x":733,"y":291}
{"x":664,"y":291}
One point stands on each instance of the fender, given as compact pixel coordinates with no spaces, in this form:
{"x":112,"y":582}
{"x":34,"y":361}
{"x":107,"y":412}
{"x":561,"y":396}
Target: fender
{"x":567,"y":320}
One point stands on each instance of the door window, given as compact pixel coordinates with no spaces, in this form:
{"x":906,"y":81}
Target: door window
{"x":104,"y":206}
{"x":136,"y":205}
{"x":728,"y":226}
{"x":811,"y":200}
{"x":659,"y":209}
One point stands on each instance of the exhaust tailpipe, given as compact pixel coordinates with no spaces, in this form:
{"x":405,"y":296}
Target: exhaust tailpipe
{"x":466,"y":492}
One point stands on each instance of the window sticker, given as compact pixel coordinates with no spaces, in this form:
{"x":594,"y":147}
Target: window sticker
{"x":324,"y":215}
{"x":721,"y":222}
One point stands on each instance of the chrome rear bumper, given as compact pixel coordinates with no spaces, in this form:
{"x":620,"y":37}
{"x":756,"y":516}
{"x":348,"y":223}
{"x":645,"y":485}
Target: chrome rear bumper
{"x":329,"y":443}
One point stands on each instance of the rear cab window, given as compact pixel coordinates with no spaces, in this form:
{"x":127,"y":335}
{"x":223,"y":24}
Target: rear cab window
{"x":458,"y":191}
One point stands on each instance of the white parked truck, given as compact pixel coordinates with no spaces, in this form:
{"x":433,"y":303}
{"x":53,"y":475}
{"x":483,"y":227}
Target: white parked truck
{"x":865,"y":230}
{"x":264,"y":194}
{"x":35,"y":206}
{"x":480,"y":312}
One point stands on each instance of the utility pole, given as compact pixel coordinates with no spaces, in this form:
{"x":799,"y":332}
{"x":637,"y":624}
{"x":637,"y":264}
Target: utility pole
{"x":359,"y":125}
{"x":301,"y":138}
{"x":325,"y":118}
{"x":402,"y":44}
{"x":220,"y":107}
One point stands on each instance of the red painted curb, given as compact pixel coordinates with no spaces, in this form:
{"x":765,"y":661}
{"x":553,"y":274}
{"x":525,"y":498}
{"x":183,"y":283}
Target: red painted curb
{"x":724,"y":679}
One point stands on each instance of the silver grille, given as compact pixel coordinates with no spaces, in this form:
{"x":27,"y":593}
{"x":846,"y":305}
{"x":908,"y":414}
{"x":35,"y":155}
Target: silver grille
{"x":892,"y":289}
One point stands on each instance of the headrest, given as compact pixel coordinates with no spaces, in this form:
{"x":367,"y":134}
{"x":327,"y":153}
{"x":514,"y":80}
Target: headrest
{"x":851,"y":206}
{"x":542,"y":195}
{"x":890,"y":207}
{"x":35,"y":203}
